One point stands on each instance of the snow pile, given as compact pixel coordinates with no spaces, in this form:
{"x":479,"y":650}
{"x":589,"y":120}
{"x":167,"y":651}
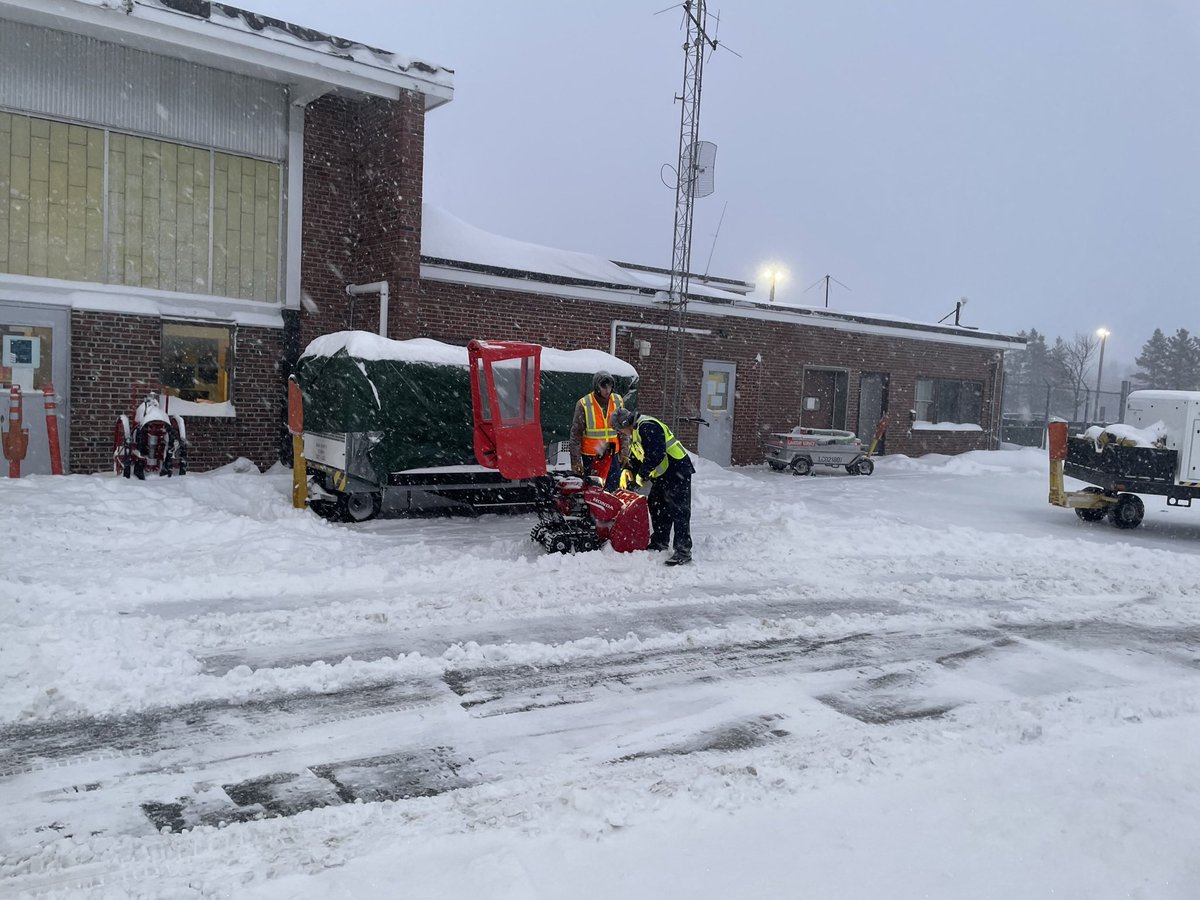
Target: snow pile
{"x":931,"y":680}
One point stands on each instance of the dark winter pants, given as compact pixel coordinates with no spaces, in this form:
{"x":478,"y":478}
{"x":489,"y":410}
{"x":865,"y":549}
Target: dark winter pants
{"x":670,"y":504}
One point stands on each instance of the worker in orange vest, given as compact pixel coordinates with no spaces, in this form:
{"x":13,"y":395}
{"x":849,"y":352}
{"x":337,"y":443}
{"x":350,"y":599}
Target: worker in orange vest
{"x":593,"y":441}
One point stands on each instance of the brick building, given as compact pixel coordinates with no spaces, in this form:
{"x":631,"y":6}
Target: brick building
{"x":188,"y":191}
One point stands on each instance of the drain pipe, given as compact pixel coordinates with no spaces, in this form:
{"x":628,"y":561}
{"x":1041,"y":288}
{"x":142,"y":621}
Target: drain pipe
{"x":375,"y":287}
{"x":620,"y":323}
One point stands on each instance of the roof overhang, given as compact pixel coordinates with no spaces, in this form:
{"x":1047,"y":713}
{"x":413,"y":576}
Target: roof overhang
{"x":626,"y":295}
{"x":227,"y":38}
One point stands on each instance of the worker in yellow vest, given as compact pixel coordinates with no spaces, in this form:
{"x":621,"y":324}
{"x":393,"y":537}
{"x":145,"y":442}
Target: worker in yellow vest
{"x":657,"y":458}
{"x":594,"y":444}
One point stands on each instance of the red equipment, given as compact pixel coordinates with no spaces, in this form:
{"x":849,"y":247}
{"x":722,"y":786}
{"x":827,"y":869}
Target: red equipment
{"x":580,"y":515}
{"x":573,"y":515}
{"x":151,"y":440}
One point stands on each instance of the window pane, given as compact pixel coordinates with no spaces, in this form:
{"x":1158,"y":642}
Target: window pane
{"x":51,"y":221}
{"x":197,"y":361}
{"x":924,"y":400}
{"x":158,"y":214}
{"x":245,"y":227}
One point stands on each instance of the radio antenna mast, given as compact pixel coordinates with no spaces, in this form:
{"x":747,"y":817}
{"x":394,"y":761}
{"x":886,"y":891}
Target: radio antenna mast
{"x":695,"y":179}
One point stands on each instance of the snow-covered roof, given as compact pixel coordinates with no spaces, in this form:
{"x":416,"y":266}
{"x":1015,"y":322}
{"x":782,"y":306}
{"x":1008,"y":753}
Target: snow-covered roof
{"x":365,"y":345}
{"x":456,"y":251}
{"x":237,"y":40}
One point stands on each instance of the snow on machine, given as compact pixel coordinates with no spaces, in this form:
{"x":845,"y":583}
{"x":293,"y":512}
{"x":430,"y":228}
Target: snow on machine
{"x":574,"y":514}
{"x":802,"y":448}
{"x":1155,"y":450}
{"x":383,"y":417}
{"x":151,"y":439}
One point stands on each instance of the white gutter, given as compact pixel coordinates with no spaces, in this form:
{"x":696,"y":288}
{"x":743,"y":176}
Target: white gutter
{"x":375,"y":287}
{"x":621,"y":323}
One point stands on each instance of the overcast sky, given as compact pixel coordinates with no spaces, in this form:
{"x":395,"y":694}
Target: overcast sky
{"x":1038,"y":158}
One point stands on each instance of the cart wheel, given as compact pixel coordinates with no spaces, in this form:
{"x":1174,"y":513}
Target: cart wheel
{"x":1128,"y":511}
{"x":801,"y":465}
{"x":864,"y":466}
{"x":360,"y":506}
{"x":1092,"y":515}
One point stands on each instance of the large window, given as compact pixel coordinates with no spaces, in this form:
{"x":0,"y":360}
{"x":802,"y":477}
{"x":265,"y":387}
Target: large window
{"x":947,"y":401}
{"x":174,"y":217}
{"x":197,"y":361}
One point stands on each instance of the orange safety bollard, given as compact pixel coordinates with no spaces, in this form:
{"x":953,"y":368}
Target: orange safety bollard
{"x":15,"y":441}
{"x":52,"y":429}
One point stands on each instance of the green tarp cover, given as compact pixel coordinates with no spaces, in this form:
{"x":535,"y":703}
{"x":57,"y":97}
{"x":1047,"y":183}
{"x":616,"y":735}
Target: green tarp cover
{"x":415,"y":395}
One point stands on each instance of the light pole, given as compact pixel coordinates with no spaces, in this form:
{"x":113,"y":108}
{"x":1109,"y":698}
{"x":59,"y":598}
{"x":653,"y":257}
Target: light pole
{"x":1103,"y":333}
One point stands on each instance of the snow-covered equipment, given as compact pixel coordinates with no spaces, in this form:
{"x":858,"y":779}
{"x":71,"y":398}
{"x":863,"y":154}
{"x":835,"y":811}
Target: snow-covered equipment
{"x":574,"y":514}
{"x":802,"y":448}
{"x":396,"y":416}
{"x":150,"y":439}
{"x":1156,"y":450}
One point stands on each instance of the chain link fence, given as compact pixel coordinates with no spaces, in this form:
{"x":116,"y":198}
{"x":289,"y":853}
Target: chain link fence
{"x":1028,"y":407}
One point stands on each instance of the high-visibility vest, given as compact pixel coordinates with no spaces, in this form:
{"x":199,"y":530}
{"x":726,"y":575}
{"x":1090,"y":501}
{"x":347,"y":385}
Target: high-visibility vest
{"x":674,"y":448}
{"x":596,"y":430}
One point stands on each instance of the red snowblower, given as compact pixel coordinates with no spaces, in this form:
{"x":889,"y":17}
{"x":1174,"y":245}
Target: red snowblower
{"x":574,"y":514}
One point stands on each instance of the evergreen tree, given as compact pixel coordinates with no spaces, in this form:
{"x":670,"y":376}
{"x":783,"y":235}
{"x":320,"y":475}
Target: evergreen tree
{"x":1183,"y":362}
{"x":1154,"y":362}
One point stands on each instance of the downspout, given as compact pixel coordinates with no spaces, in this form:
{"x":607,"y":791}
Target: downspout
{"x":375,"y":287}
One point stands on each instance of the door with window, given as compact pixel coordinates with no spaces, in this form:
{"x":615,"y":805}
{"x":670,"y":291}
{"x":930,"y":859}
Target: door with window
{"x":36,"y":353}
{"x":824,"y":404}
{"x":872,"y":404}
{"x":715,"y":440}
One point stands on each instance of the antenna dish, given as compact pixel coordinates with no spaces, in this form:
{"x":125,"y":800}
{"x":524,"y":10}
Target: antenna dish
{"x":704,"y":154}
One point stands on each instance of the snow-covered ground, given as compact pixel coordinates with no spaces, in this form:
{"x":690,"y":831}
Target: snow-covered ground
{"x":925,"y":683}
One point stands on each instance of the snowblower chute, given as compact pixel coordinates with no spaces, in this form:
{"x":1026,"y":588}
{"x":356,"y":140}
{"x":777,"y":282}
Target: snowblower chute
{"x":574,"y":514}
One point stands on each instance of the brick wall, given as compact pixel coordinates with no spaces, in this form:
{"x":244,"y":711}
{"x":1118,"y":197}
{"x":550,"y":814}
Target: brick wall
{"x":363,"y":171}
{"x":111,"y":352}
{"x":770,"y":358}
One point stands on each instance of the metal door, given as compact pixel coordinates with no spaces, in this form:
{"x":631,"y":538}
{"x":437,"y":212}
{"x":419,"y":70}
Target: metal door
{"x":51,"y":325}
{"x":717,"y":389}
{"x":872,"y":404}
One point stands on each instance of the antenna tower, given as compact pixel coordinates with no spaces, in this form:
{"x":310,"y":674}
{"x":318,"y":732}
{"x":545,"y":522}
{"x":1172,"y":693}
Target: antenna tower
{"x":692,"y":170}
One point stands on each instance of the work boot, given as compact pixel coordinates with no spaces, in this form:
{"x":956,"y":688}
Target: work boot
{"x":679,"y":558}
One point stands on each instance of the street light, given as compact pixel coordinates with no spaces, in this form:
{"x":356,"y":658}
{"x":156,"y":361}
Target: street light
{"x":1103,"y":333}
{"x":773,"y":274}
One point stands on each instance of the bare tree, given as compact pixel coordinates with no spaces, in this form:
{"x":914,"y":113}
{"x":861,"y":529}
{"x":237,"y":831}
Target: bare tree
{"x":1074,"y":359}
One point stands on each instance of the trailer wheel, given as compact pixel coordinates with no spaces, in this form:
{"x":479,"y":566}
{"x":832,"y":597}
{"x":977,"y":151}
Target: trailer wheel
{"x":775,"y":466}
{"x":863,"y":467}
{"x":1092,"y":515}
{"x":1128,"y":511}
{"x":801,"y":465}
{"x":360,"y":506}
